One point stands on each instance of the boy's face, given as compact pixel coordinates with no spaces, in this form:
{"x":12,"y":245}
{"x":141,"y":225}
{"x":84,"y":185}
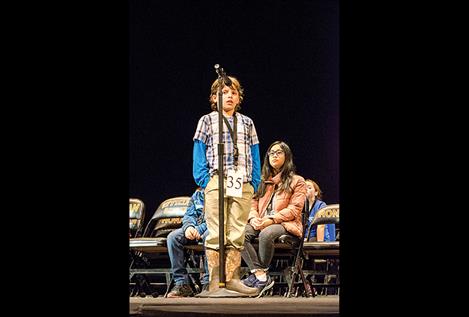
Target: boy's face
{"x":230,"y":99}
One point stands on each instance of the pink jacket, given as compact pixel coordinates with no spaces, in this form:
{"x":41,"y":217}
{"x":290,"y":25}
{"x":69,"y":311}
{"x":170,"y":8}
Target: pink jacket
{"x":287,"y":207}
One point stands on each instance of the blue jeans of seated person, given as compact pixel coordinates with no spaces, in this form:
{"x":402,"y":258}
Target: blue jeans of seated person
{"x":176,"y":241}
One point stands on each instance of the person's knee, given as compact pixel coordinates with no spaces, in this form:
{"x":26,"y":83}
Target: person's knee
{"x":175,"y":237}
{"x":171,"y":238}
{"x":266,"y":236}
{"x":249,"y":232}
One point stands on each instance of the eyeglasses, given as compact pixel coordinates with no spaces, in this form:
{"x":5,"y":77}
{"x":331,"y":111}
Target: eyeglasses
{"x":276,"y":153}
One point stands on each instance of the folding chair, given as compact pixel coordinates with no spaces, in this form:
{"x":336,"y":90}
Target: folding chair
{"x":136,"y":220}
{"x":136,"y":217}
{"x":296,"y":270}
{"x":324,"y":249}
{"x":167,"y":217}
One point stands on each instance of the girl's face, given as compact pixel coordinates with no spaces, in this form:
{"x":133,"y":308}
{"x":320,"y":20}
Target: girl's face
{"x":310,"y":190}
{"x":276,"y":157}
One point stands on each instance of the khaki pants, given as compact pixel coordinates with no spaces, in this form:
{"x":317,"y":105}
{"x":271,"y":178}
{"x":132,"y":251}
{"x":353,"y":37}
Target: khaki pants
{"x":236,"y":213}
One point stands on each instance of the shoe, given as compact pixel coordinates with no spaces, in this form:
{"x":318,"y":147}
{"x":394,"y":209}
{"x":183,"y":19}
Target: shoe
{"x":205,"y":287}
{"x":264,"y":286}
{"x":181,"y":291}
{"x":250,"y":281}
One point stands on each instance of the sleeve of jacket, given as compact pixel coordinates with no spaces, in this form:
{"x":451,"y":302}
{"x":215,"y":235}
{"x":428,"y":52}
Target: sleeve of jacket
{"x":190,"y":217}
{"x":202,"y":228}
{"x":199,"y":164}
{"x":199,"y":208}
{"x":295,"y":205}
{"x":256,"y":166}
{"x":254,"y":213}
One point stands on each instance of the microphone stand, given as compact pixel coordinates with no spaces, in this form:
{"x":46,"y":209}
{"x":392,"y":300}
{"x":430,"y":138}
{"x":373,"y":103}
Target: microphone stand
{"x":222,"y":291}
{"x":221,"y":176}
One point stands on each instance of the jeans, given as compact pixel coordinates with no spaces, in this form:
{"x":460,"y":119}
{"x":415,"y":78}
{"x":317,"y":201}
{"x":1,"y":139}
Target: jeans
{"x":176,"y":241}
{"x":266,"y":246}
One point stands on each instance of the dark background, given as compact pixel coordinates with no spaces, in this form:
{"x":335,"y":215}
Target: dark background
{"x":286,"y":55}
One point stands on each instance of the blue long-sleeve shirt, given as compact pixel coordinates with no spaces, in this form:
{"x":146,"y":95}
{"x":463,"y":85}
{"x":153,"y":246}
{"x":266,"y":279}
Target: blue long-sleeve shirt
{"x":199,"y":164}
{"x":256,"y":166}
{"x":194,"y":216}
{"x":200,"y":169}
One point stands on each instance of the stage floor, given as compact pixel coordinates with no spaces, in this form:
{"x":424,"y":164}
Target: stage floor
{"x":233,"y":307}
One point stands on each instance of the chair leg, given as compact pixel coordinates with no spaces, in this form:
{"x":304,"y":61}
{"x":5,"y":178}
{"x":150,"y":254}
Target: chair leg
{"x":291,"y":282}
{"x":168,"y":285}
{"x":287,"y":274}
{"x":191,"y":262}
{"x":306,"y":285}
{"x":297,"y":270}
{"x":143,"y":286}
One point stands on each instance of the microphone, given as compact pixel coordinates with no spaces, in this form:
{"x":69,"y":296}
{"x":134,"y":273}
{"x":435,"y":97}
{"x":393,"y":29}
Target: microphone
{"x":222,"y":73}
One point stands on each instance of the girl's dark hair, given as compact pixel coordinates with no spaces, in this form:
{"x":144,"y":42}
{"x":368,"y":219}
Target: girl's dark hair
{"x":288,"y":170}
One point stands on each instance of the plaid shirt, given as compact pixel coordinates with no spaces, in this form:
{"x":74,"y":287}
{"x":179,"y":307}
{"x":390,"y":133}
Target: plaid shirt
{"x":207,"y":132}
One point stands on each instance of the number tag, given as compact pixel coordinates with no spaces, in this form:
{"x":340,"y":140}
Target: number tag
{"x":234,"y":183}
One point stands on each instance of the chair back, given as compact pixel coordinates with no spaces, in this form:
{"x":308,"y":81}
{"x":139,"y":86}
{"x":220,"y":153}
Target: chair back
{"x":326,"y":215}
{"x":167,"y":217}
{"x":136,"y":216}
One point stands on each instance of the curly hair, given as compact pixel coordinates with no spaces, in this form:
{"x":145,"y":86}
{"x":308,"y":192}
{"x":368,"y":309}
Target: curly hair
{"x":235,"y":84}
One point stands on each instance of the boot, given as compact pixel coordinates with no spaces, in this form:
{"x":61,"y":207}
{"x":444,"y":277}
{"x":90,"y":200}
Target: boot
{"x":232,"y":268}
{"x":213,"y":262}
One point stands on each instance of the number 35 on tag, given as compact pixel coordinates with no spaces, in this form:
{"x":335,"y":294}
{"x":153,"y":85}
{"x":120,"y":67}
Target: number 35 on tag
{"x":234,"y":183}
